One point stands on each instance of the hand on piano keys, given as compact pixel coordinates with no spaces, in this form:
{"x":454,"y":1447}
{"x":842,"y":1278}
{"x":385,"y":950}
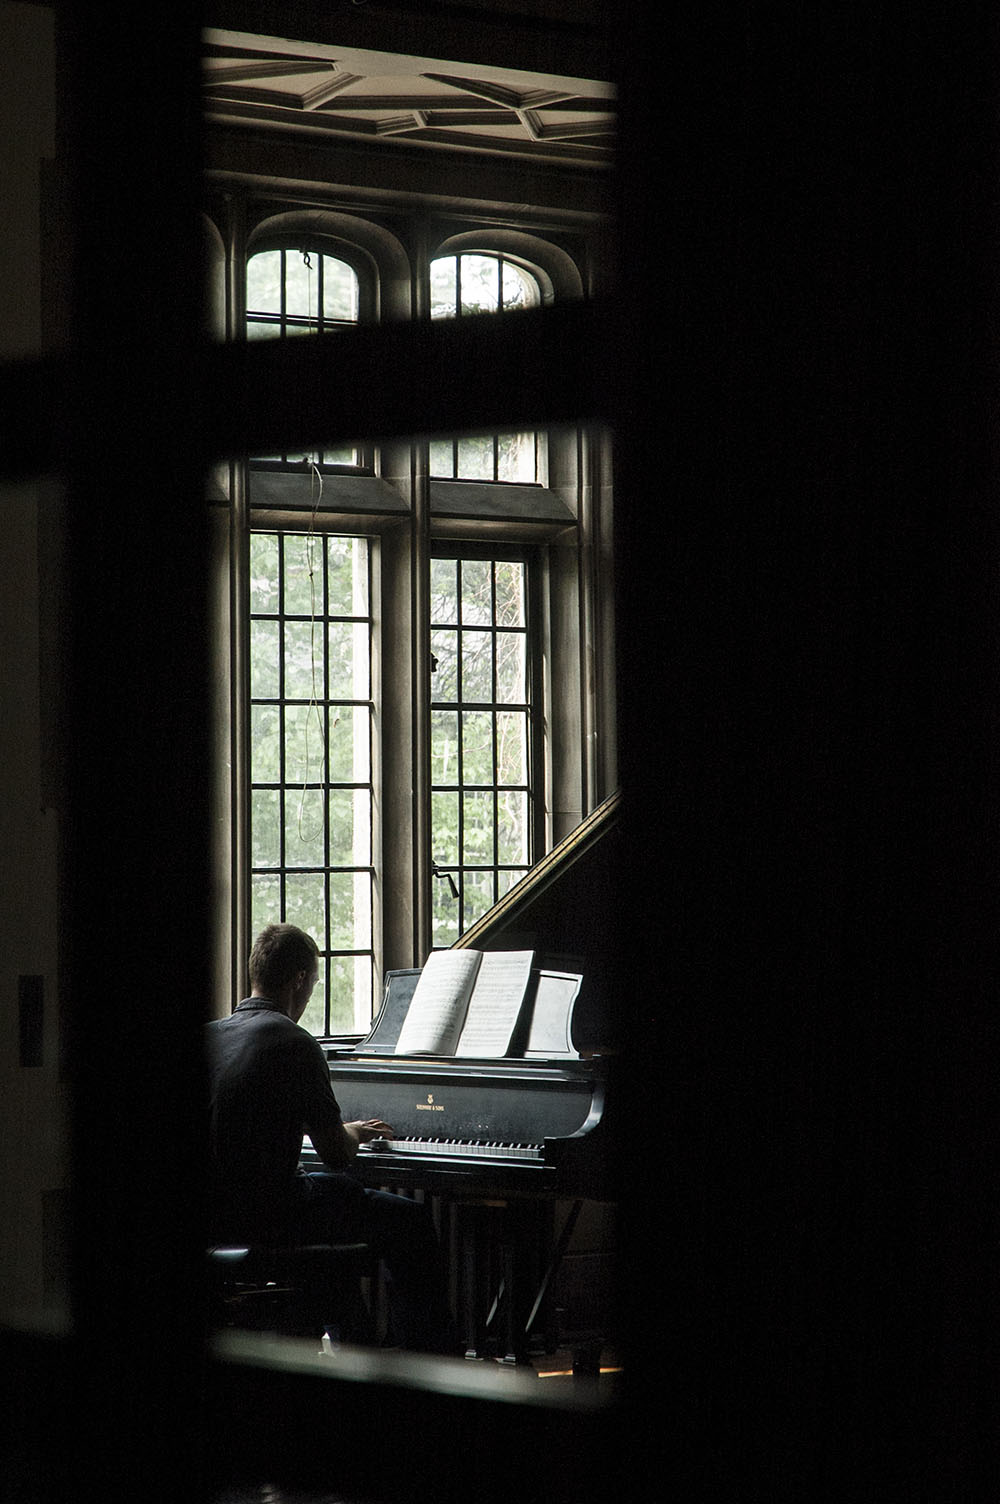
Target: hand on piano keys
{"x":368,"y":1128}
{"x":458,"y":1148}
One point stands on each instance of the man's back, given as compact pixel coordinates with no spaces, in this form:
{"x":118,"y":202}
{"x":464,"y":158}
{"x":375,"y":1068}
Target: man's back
{"x":268,"y":1083}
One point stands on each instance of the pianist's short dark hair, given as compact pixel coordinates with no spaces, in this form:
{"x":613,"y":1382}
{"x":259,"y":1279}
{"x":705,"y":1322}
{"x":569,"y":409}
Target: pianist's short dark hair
{"x":280,"y":951}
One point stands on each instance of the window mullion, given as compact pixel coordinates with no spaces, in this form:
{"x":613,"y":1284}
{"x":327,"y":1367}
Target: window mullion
{"x":495,"y":698}
{"x":460,"y":759}
{"x":323,"y":627}
{"x":282,"y":727}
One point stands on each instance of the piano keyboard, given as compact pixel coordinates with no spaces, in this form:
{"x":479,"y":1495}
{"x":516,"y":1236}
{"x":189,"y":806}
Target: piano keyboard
{"x":459,"y":1148}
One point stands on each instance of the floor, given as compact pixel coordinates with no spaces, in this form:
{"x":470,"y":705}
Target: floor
{"x":554,"y":1368}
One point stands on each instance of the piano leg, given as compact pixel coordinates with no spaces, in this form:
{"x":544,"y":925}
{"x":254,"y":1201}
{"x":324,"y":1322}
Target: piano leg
{"x":468,"y":1300}
{"x":556,"y":1249}
{"x":507,"y":1300}
{"x":492,"y":1285}
{"x":508,"y":1256}
{"x":524,"y":1234}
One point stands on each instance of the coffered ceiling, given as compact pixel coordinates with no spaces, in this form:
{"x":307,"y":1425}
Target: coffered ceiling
{"x":319,"y":89}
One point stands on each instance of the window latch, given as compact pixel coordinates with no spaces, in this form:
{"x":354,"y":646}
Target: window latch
{"x":436,"y":870}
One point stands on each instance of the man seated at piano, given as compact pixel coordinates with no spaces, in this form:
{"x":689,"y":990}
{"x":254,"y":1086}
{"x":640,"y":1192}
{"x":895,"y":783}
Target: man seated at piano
{"x":269,"y":1083}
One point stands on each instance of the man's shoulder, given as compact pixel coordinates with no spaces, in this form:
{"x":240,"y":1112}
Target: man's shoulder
{"x":264,"y":1023}
{"x":268,"y":1026}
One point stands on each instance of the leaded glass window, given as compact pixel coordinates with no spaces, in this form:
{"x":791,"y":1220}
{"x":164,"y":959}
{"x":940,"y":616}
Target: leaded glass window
{"x":311,"y":788}
{"x":481,"y":730}
{"x":478,"y":283}
{"x":293,"y":292}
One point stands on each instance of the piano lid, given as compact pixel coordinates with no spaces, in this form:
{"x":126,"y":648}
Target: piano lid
{"x":568,"y":910}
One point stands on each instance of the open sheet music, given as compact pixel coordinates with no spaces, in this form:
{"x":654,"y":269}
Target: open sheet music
{"x":466,"y":1002}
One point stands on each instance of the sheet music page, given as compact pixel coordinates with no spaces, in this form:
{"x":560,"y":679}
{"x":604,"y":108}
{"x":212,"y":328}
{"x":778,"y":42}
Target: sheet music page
{"x":495,"y":1003}
{"x":437,"y":1009}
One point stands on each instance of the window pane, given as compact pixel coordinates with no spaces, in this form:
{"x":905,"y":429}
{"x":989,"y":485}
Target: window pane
{"x":477,"y":592}
{"x":303,"y":575}
{"x":509,"y":593}
{"x":265,"y":744}
{"x":477,"y":665}
{"x":444,"y":665}
{"x":350,"y":828}
{"x":264,"y":282}
{"x":346,"y":455}
{"x":442,"y":459}
{"x":304,"y":829}
{"x":349,"y":750}
{"x":475,"y":458}
{"x":347,"y":648}
{"x":512,"y":827}
{"x":257,"y":330}
{"x":350,"y":911}
{"x":477,"y":829}
{"x":263,"y":573}
{"x":520,"y":290}
{"x":445,"y":914}
{"x":478,"y":896}
{"x":516,"y":458}
{"x":364,"y":991}
{"x":444,"y":746}
{"x":480,"y":284}
{"x":303,"y":661}
{"x":444,"y":590}
{"x":444,"y":825}
{"x":340,"y":290}
{"x":477,"y":747}
{"x":301,"y":285}
{"x":305,"y":904}
{"x":265,"y":830}
{"x":341,"y":994}
{"x":444,"y":290}
{"x":511,"y":667}
{"x":347,"y":565}
{"x":304,"y":738}
{"x":264,"y":680}
{"x":265,"y":902}
{"x":512,"y":747}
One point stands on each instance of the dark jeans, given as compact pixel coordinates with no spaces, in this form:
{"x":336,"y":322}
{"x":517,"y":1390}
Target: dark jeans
{"x":334,"y":1208}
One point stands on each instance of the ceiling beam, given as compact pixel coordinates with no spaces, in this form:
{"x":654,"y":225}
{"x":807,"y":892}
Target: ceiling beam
{"x":492,"y":36}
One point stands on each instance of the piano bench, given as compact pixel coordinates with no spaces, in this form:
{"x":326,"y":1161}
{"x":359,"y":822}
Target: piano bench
{"x":294,"y":1291}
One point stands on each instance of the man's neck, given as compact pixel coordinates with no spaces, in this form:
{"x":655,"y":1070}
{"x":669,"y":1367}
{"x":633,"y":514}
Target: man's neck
{"x":279,"y":1000}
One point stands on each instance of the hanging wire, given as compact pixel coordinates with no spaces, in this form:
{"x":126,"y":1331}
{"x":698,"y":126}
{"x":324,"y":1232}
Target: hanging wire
{"x":315,"y":496}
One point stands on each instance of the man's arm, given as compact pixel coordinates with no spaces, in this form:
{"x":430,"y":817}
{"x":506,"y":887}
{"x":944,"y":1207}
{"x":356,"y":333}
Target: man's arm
{"x":335,"y":1141}
{"x":338,"y":1143}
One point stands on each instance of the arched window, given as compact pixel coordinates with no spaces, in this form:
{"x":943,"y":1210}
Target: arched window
{"x":480,"y":283}
{"x":334,"y":645}
{"x":302,"y":291}
{"x":311,"y":791}
{"x":470,"y":283}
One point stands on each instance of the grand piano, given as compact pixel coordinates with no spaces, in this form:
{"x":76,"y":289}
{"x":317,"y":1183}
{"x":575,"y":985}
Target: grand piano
{"x":502,"y":1144}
